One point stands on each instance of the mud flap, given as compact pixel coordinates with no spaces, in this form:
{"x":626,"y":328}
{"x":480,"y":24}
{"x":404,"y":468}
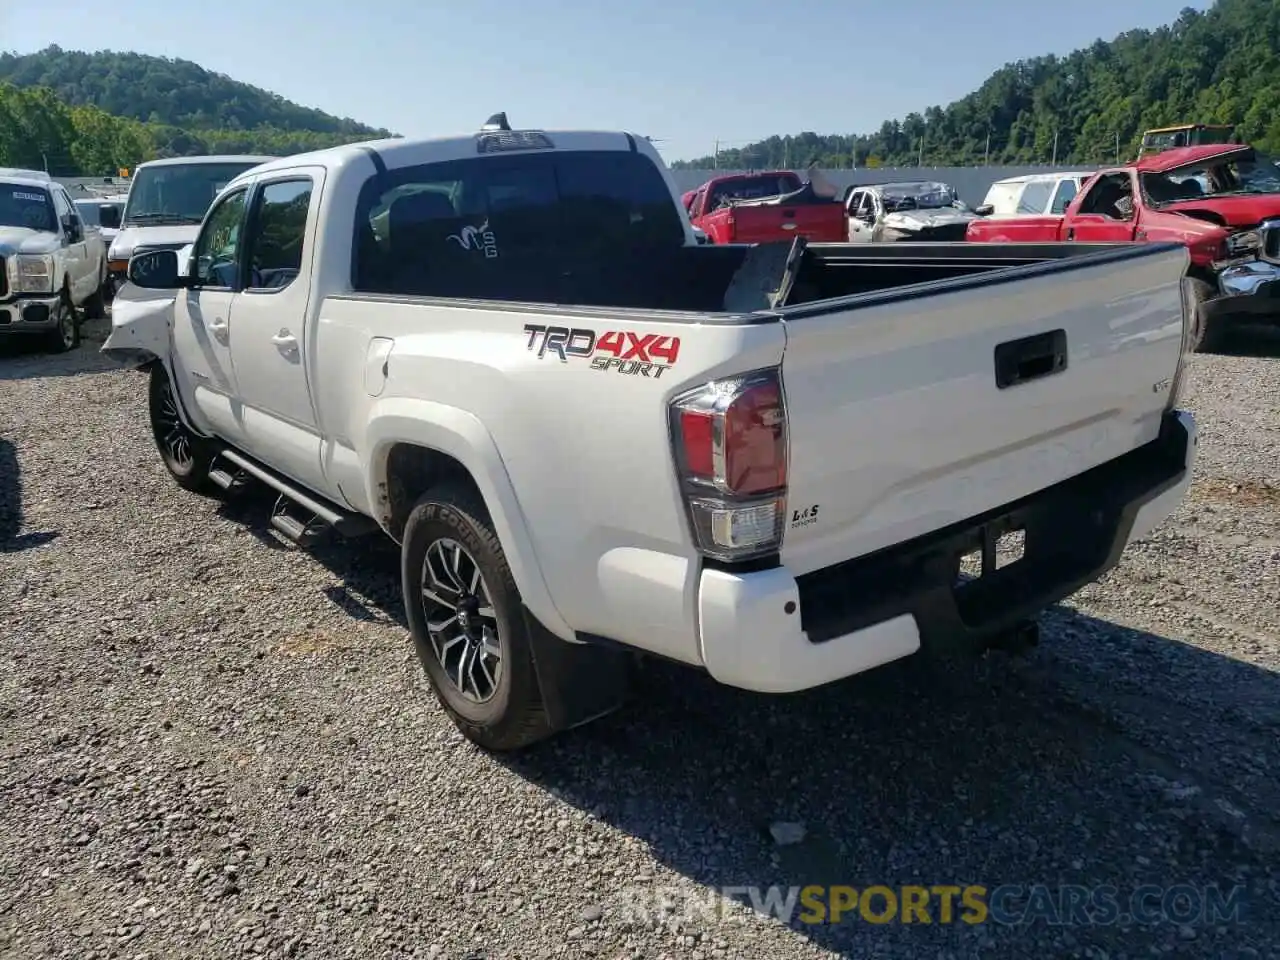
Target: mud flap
{"x":765,"y":279}
{"x":579,"y":682}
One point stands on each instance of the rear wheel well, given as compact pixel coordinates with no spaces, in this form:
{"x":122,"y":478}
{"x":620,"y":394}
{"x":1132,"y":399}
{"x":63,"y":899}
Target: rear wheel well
{"x":1203,"y":273}
{"x":412,"y":471}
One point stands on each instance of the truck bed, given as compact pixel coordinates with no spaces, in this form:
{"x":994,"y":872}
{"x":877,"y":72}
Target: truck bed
{"x":697,"y":278}
{"x":925,"y":385}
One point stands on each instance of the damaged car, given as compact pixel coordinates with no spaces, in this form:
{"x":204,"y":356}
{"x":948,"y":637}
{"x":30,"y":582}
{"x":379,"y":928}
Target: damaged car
{"x":922,"y":210}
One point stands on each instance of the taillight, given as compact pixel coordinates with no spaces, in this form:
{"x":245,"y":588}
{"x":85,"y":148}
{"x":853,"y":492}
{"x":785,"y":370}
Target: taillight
{"x":730,"y":440}
{"x":1189,"y":307}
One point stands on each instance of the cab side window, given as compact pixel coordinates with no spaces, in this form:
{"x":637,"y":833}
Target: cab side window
{"x":217,"y":252}
{"x":277,"y":232}
{"x":1107,"y":196}
{"x":1062,"y":198}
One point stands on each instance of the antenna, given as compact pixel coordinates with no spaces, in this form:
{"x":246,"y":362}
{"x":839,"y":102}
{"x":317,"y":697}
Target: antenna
{"x":497,"y":122}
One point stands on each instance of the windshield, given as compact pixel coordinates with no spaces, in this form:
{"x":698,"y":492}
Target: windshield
{"x":179,"y":193}
{"x":1186,"y":137}
{"x":88,"y":210}
{"x":30,"y":207}
{"x":91,"y":211}
{"x":919,"y":196}
{"x":1250,"y":172}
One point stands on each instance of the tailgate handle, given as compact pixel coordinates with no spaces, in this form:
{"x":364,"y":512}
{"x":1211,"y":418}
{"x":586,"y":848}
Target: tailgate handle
{"x":1021,"y":361}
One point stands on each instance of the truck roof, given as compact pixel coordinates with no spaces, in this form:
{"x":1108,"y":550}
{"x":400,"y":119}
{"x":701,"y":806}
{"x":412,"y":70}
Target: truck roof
{"x":185,"y":161}
{"x":27,"y":178}
{"x":1185,"y":156}
{"x":403,"y":152}
{"x":23,"y":181}
{"x":1033,"y":177}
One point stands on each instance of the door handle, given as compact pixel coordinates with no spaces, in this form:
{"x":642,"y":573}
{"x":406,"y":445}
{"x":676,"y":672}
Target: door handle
{"x":1071,"y":233}
{"x":220,"y":329}
{"x":285,"y":342}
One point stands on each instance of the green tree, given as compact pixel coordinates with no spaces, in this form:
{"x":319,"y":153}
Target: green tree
{"x":1219,"y":66}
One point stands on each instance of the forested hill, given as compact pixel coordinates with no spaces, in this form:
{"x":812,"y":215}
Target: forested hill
{"x":160,"y":91}
{"x":89,"y":114}
{"x":1220,"y":66}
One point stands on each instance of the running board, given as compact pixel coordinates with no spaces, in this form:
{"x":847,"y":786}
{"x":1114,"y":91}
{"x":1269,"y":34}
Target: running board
{"x":328,"y":514}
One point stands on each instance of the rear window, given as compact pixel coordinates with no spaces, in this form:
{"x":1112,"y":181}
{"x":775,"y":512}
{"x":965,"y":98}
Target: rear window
{"x":434,"y":229}
{"x":89,"y":211}
{"x":752,"y":188}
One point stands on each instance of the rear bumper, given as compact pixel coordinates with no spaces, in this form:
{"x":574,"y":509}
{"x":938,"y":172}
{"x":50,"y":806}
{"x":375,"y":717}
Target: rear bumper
{"x":773,"y":632}
{"x":28,"y":315}
{"x":1249,"y":289}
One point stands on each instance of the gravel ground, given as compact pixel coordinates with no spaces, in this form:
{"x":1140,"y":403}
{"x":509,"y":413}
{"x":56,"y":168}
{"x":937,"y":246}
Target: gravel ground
{"x":216,"y":745}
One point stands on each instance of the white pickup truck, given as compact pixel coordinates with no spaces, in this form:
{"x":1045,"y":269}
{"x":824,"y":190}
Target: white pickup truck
{"x":52,"y":265}
{"x":593,"y":436}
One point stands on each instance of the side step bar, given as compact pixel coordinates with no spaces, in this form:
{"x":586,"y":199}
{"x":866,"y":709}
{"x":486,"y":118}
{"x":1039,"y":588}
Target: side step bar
{"x":322,"y":515}
{"x":231,"y":481}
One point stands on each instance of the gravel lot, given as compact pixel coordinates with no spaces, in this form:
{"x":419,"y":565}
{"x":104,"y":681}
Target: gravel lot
{"x":215,"y":745}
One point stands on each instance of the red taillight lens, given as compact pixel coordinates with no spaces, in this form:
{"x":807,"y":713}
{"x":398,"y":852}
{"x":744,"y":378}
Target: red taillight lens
{"x":755,"y":442}
{"x":696,"y":435}
{"x":731,"y":451}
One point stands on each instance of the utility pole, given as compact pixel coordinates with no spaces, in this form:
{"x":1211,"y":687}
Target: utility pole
{"x":715,"y":162}
{"x":920,"y":155}
{"x":786,"y":147}
{"x":1117,"y":147}
{"x":1055,"y":148}
{"x":986,"y":156}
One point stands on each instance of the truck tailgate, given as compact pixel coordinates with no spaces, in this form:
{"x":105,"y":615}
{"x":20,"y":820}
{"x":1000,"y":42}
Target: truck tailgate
{"x":816,"y":222}
{"x":898,"y":426}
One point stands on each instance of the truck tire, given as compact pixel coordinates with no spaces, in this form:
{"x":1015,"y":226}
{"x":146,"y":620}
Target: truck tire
{"x":65,"y":334}
{"x":186,"y":456}
{"x":466,"y":619}
{"x":1207,"y":334}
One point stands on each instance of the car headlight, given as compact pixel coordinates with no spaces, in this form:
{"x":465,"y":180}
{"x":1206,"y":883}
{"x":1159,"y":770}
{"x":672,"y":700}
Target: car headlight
{"x":1242,"y":242}
{"x":33,"y":273}
{"x":118,"y":258}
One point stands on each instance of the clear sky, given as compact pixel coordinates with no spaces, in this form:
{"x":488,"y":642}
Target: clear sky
{"x":685,"y":73}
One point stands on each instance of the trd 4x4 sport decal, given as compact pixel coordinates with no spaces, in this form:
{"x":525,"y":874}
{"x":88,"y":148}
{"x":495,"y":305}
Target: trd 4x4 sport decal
{"x":630,"y":354}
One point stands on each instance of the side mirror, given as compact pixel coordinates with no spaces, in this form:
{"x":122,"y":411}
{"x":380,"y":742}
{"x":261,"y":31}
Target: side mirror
{"x":72,"y":229}
{"x":155,"y":270}
{"x":109,"y":217}
{"x":984,"y":210}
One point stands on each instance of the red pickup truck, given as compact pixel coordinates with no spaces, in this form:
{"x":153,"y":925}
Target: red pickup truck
{"x":1222,"y":201}
{"x":760,"y":207}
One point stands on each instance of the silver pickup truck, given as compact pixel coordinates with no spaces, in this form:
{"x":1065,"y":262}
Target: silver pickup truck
{"x":52,"y":265}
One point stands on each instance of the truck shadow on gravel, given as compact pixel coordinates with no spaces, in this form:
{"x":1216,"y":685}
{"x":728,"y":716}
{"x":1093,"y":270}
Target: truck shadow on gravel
{"x":11,"y":537}
{"x":1255,"y":340}
{"x":1107,"y":756}
{"x":26,"y":358}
